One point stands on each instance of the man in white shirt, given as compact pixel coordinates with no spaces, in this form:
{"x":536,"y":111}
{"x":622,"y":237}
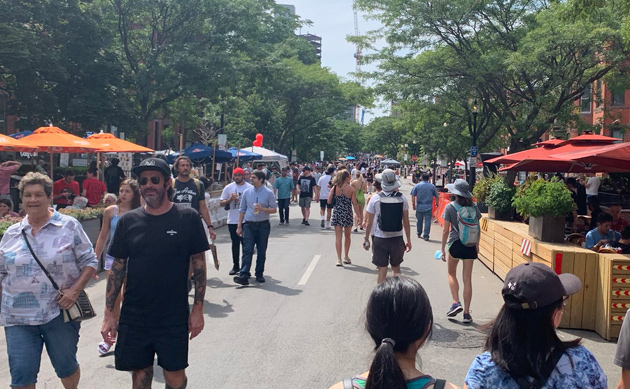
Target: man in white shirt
{"x":323,"y":192}
{"x":231,"y":199}
{"x":389,"y":245}
{"x":592,"y":186}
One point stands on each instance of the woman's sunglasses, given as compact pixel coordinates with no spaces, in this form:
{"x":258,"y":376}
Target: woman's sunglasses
{"x":154,"y":180}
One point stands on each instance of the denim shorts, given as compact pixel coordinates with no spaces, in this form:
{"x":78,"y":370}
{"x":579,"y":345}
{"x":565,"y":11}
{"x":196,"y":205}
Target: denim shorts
{"x":24,"y":347}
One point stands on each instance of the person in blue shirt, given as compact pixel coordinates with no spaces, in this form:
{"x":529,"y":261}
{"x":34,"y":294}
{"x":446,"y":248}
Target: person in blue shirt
{"x":253,"y":225}
{"x":599,"y":236}
{"x":422,"y":196}
{"x":523,"y":349}
{"x":283,"y":186}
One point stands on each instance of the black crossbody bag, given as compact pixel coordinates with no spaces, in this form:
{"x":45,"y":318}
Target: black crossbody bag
{"x":82,"y":308}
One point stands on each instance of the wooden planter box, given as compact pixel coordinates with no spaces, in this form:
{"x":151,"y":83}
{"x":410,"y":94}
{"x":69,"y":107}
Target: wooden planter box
{"x":497,"y":215}
{"x":547,"y":228}
{"x":613,"y":294}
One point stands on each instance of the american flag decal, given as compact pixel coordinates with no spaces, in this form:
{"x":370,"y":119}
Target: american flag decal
{"x":526,"y":247}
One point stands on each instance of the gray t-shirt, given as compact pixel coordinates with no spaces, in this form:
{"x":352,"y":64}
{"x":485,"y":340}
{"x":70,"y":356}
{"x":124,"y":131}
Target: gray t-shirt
{"x":622,"y":354}
{"x":450,"y":215}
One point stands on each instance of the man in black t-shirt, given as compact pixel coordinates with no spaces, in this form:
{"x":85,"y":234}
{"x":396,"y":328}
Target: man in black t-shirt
{"x":152,"y":247}
{"x":114,"y":176}
{"x":191,"y":192}
{"x":306,"y":185}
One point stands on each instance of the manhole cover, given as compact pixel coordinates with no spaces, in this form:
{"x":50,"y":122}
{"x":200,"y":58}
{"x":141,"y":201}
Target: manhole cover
{"x":457,"y":338}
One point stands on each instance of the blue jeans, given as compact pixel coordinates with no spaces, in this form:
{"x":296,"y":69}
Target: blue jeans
{"x":426,"y":217}
{"x":25,"y":343}
{"x":255,"y":234}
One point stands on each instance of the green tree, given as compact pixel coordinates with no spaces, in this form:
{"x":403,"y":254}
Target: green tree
{"x":526,"y":62}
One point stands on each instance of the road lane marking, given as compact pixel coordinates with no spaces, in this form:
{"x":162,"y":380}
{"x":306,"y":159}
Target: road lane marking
{"x":309,"y":270}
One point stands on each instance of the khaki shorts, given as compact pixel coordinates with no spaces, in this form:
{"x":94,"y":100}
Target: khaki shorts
{"x":388,"y":251}
{"x":305,"y":202}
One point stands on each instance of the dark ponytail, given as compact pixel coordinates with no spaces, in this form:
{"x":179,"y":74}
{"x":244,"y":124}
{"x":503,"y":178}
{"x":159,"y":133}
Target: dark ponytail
{"x":398,"y":314}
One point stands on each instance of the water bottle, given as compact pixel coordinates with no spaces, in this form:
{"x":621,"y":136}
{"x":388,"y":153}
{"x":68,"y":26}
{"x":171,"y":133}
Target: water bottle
{"x":438,"y":255}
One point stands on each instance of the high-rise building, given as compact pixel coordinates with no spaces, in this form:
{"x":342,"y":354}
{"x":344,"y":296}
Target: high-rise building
{"x":290,"y":7}
{"x":316,"y":41}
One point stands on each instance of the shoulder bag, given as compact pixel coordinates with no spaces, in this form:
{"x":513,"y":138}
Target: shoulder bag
{"x":82,"y":308}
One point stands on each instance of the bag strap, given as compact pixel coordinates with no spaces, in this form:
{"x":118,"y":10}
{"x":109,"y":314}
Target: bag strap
{"x":439,"y":384}
{"x":38,"y":262}
{"x":547,"y":369}
{"x":347,"y":383}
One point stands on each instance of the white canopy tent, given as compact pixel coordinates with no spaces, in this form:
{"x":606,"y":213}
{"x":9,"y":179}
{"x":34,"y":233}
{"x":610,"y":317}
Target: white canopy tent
{"x":267,"y":155}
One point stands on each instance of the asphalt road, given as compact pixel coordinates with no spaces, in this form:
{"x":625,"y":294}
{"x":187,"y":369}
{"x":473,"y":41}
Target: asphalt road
{"x":304,"y":327}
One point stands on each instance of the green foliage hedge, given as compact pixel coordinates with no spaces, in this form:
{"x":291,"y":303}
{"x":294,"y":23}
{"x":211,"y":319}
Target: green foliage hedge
{"x":544,"y":198}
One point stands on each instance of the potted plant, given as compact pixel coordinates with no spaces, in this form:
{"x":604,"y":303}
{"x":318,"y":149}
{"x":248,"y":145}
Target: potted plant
{"x":481,"y":190}
{"x":499,"y":200}
{"x":90,"y":219}
{"x":547,"y":204}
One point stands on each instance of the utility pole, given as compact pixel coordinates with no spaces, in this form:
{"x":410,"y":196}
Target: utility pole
{"x":472,"y":162}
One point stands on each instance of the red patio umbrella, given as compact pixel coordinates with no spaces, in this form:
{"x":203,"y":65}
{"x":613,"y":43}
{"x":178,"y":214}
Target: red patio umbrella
{"x":591,"y":138}
{"x":614,"y":155}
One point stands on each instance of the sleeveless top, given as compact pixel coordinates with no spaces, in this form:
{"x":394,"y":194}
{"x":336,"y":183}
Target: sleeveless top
{"x":113,"y":222}
{"x":421,"y":382}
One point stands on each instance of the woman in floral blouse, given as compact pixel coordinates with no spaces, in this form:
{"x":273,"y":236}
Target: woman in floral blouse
{"x":30,"y":307}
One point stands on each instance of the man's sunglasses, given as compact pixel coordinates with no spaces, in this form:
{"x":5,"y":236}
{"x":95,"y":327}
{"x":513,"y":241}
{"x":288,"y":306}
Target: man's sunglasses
{"x":154,"y":180}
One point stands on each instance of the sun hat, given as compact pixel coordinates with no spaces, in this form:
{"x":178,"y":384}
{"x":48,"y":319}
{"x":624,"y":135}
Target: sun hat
{"x":388,"y":180}
{"x":156,"y":164}
{"x":460,"y":188}
{"x":534,"y":285}
{"x":238,"y":170}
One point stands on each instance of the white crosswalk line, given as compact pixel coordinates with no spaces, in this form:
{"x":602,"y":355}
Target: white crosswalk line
{"x":309,"y":270}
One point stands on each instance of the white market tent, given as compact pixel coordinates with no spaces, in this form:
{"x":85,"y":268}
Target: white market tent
{"x":267,"y":155}
{"x":390,"y":162}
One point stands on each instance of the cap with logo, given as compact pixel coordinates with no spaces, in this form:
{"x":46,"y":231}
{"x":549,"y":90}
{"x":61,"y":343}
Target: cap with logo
{"x":155,"y":164}
{"x":534,"y":285}
{"x":388,"y":180}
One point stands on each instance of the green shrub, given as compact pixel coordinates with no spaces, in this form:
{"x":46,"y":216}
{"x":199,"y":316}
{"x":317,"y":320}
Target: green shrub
{"x":500,"y":196}
{"x":544,"y":198}
{"x":482,"y":187}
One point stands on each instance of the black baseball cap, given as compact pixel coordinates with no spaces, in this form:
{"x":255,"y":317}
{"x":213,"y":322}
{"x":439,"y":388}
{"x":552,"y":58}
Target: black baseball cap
{"x":305,"y":168}
{"x":534,"y":285}
{"x":156,"y":164}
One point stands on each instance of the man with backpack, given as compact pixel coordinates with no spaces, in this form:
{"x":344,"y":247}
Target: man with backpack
{"x":388,"y":211}
{"x":461,"y":232}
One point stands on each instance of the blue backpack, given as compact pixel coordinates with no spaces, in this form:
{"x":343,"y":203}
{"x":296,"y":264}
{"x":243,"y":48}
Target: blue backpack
{"x":467,"y":225}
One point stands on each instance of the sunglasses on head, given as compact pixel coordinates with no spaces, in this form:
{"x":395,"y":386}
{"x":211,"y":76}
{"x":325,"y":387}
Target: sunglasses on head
{"x":154,"y":180}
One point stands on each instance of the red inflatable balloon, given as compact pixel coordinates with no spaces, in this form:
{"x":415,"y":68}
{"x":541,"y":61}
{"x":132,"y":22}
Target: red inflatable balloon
{"x":257,"y":143}
{"x":259,"y":137}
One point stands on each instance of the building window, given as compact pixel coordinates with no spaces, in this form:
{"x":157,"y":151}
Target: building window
{"x":598,"y":100}
{"x":618,"y":98}
{"x":585,"y":101}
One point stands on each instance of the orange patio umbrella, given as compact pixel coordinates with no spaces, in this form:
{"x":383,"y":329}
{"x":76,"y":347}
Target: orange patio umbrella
{"x":9,"y":144}
{"x":55,"y":140}
{"x":108,"y":143}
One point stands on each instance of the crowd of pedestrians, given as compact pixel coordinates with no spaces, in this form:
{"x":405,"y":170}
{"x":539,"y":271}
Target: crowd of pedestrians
{"x":156,"y":232}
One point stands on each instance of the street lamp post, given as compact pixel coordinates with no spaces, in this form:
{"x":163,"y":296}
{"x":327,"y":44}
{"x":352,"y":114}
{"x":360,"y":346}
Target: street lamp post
{"x":473,"y":149}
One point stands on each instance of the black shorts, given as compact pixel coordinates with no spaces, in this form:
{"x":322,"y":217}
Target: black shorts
{"x":324,"y":204}
{"x":136,"y":347}
{"x":459,"y":251}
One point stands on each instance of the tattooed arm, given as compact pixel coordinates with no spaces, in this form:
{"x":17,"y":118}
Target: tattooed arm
{"x":196,"y":321}
{"x":115,"y":281}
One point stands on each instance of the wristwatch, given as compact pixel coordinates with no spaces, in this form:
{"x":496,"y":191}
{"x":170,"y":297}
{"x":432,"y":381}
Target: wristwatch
{"x":210,"y":226}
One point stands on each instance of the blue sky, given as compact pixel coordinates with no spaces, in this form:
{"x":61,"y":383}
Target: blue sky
{"x":333,"y":20}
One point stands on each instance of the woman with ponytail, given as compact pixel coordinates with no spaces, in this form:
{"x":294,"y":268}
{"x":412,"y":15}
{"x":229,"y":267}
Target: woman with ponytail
{"x":399,"y":319}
